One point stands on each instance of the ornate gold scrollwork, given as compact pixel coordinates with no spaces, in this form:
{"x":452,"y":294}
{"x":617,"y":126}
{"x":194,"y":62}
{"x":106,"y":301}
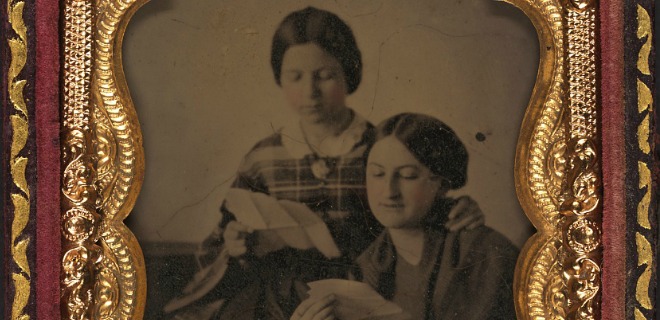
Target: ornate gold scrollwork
{"x":18,"y":162}
{"x":80,"y":220}
{"x":644,"y":250}
{"x":557,"y":176}
{"x":101,"y":275}
{"x":558,"y":274}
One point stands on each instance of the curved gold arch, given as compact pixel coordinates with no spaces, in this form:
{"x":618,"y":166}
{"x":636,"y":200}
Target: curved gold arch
{"x":557,"y":177}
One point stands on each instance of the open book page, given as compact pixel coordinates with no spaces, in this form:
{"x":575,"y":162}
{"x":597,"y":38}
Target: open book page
{"x":281,"y":223}
{"x":356,"y":300}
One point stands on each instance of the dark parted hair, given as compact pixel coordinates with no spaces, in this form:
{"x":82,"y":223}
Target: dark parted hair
{"x":327,"y":30}
{"x":432,"y":143}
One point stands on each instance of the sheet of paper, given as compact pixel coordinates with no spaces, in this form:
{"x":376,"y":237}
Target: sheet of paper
{"x":356,"y":300}
{"x":240,"y":203}
{"x":281,"y":222}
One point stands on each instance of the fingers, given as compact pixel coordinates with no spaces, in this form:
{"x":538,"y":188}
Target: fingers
{"x":477,"y":223}
{"x":236,"y":248}
{"x":322,"y":309}
{"x":465,"y":215}
{"x":238,"y":227}
{"x":461,"y":204}
{"x":236,"y":230}
{"x":235,"y":238}
{"x":302,"y":309}
{"x":326,"y":313}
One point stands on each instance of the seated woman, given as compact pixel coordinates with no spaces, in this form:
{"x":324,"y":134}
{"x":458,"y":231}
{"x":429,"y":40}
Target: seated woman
{"x":429,"y":271}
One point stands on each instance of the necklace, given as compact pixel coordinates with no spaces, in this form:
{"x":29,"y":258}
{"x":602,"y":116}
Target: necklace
{"x":322,"y":167}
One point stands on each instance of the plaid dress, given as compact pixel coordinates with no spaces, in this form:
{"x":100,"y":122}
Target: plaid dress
{"x":284,"y":166}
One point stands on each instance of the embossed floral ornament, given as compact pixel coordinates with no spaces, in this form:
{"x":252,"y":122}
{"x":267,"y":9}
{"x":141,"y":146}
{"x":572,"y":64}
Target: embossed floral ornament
{"x":584,"y":180}
{"x":78,"y":224}
{"x":583,"y":236}
{"x":583,"y":283}
{"x":77,"y":270}
{"x":78,"y":175}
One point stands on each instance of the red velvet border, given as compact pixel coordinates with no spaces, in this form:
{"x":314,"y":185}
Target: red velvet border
{"x":48,"y":159}
{"x":613,"y":146}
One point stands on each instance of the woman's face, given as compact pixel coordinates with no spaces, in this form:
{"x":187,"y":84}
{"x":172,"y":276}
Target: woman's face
{"x":401,"y":190}
{"x":313,"y":83}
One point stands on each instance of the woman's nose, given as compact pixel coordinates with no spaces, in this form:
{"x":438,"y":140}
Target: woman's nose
{"x":393,"y":190}
{"x":311,"y":87}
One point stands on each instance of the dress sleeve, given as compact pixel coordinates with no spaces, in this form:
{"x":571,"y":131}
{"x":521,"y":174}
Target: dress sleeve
{"x":248,"y":178}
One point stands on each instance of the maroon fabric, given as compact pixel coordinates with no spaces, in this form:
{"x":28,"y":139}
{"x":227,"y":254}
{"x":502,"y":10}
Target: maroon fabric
{"x":48,"y":159}
{"x":613,"y":144}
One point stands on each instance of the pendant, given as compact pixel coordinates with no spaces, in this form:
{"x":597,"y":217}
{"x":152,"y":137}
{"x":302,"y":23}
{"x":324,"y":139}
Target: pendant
{"x":320,"y":169}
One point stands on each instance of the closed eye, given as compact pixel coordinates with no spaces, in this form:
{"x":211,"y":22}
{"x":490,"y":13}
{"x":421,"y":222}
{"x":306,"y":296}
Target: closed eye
{"x":409,"y":173}
{"x":292,"y":76}
{"x":374,"y":170}
{"x":326,"y":74}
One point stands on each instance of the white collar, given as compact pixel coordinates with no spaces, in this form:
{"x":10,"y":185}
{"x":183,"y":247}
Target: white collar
{"x":294,"y":140}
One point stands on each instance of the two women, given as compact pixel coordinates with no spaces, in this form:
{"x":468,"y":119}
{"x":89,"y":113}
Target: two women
{"x":320,"y":162}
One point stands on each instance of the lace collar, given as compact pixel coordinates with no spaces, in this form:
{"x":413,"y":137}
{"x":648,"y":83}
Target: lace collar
{"x":294,"y":140}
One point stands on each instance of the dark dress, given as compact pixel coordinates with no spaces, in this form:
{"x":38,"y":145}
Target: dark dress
{"x":463,"y":275}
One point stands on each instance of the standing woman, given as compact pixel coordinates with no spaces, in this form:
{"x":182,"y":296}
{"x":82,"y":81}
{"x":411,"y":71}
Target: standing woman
{"x":320,"y":163}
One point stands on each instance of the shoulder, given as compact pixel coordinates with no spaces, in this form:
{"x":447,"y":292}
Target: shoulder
{"x":272,"y":140}
{"x":266,"y":150}
{"x":485,"y":244}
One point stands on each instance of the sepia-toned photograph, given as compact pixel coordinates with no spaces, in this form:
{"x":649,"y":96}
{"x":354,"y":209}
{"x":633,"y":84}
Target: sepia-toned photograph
{"x":330,"y":159}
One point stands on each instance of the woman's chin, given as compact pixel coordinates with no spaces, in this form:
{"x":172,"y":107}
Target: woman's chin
{"x":391,"y":220}
{"x":311,"y":117}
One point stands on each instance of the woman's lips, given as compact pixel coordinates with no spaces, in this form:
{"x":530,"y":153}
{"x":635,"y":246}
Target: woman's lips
{"x":392,"y":206}
{"x":312,"y":109}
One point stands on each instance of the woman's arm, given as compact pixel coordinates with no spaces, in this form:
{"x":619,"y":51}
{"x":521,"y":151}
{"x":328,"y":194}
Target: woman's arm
{"x":248,"y":178}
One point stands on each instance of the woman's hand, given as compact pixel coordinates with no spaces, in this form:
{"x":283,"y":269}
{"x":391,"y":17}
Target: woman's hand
{"x":323,"y":309}
{"x":235,"y":238}
{"x":466,"y":214}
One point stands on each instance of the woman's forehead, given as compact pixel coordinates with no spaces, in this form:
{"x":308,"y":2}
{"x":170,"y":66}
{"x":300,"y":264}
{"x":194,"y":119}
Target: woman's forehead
{"x":308,"y":56}
{"x":390,"y":152}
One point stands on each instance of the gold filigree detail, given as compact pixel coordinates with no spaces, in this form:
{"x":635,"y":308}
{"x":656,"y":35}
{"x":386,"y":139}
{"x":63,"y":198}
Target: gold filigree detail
{"x":644,"y":30}
{"x":107,"y":287}
{"x":643,"y":134}
{"x":644,"y":249}
{"x":644,"y":259}
{"x":20,"y":131}
{"x":645,"y":202}
{"x":21,"y":297}
{"x":103,"y":167}
{"x":80,"y":221}
{"x":581,"y":200}
{"x":541,"y":168}
{"x":120,"y":165}
{"x":557,"y":168}
{"x":581,"y":5}
{"x":644,"y":96}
